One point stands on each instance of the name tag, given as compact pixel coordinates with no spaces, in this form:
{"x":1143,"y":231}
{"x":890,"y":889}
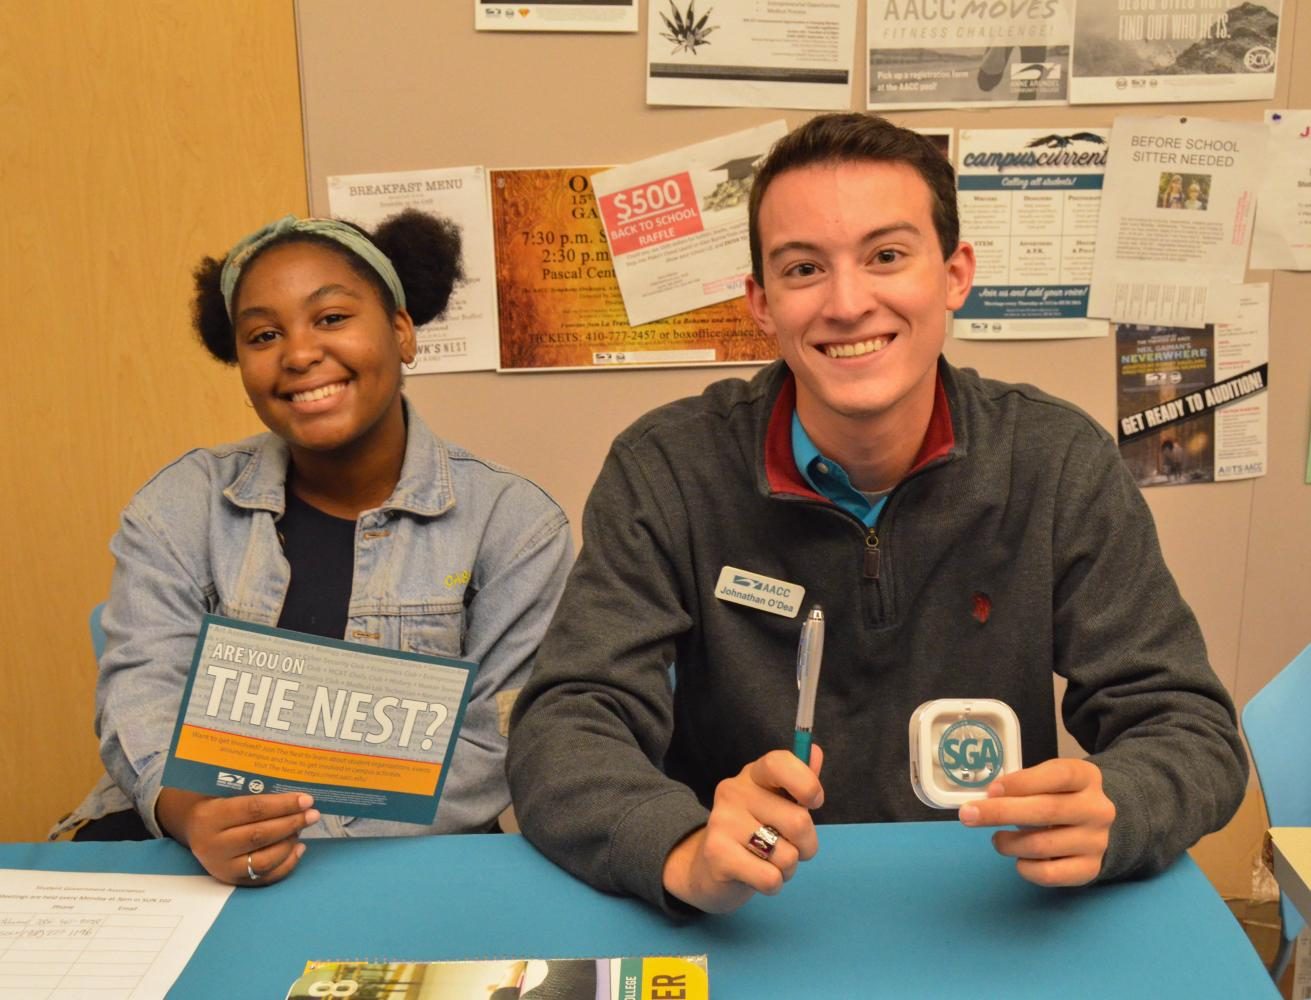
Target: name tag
{"x":764,"y":593}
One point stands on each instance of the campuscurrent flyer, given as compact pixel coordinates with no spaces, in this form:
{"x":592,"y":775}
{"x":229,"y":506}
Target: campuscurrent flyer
{"x":677,"y":223}
{"x":1145,"y":51}
{"x":464,"y":339}
{"x":1282,"y":237}
{"x":650,"y":977}
{"x":1176,"y":217}
{"x":1029,"y":201}
{"x":559,"y":302}
{"x":1192,"y":403}
{"x":767,"y":54}
{"x":367,"y":731}
{"x":967,"y":53}
{"x":555,"y":15}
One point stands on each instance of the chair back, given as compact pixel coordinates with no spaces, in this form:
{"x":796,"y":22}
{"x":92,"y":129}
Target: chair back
{"x":1275,"y":723}
{"x":97,"y":633}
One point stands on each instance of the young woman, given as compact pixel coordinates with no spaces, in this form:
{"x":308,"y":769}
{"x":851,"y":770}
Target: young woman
{"x":348,"y":518}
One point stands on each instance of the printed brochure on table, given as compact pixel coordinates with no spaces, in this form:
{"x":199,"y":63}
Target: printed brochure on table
{"x":652,"y":977}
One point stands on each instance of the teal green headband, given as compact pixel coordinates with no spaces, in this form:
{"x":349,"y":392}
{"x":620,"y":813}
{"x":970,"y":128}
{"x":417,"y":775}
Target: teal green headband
{"x":348,"y":236}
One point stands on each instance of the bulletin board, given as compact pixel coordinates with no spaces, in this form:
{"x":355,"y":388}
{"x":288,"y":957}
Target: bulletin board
{"x":409,"y":84}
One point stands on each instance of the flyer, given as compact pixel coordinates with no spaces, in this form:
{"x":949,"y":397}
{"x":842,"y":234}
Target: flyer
{"x":1192,"y":402}
{"x":1282,"y":238}
{"x":652,"y":977}
{"x":1176,"y":217}
{"x":1029,"y":201}
{"x":464,"y":339}
{"x":559,"y":303}
{"x":555,"y":15}
{"x":1145,"y":51}
{"x":942,"y":137}
{"x":108,"y":935}
{"x":367,"y":731}
{"x":676,"y":224}
{"x":767,"y":54}
{"x":967,"y":53}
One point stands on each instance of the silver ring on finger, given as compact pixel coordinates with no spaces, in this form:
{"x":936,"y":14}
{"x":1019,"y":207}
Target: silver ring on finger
{"x":762,"y":842}
{"x":253,"y":875}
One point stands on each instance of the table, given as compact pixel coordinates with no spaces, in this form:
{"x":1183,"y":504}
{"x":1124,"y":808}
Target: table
{"x":885,"y":910}
{"x":1293,"y":865}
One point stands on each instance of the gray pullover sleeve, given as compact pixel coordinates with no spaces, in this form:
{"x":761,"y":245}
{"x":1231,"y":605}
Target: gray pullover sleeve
{"x":593,"y":724}
{"x":1142,"y":697}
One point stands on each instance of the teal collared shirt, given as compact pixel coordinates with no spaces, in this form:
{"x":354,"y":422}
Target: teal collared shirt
{"x":829,"y":479}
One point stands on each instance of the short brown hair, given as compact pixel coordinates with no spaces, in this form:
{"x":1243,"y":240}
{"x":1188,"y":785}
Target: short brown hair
{"x":851,"y":137}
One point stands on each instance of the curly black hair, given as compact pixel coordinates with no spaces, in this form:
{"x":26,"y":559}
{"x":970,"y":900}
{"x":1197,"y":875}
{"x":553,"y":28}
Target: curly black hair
{"x":424,"y":250}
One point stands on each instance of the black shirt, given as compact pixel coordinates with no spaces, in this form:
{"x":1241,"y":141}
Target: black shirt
{"x":321,"y":550}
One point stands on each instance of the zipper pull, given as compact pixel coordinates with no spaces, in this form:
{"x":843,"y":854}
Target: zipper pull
{"x":872,"y":557}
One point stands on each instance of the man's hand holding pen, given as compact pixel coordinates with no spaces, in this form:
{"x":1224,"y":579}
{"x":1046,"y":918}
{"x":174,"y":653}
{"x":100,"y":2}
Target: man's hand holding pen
{"x":759,"y":829}
{"x":715,"y":868}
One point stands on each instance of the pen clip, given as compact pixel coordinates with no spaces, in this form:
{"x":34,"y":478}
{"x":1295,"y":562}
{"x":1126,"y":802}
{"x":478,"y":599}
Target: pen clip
{"x":803,"y":654}
{"x":810,"y":651}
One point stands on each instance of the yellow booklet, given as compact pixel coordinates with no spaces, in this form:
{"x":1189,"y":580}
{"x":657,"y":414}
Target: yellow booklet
{"x":652,"y":977}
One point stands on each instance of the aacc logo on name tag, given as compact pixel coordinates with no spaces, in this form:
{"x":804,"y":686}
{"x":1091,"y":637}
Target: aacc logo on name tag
{"x":764,"y":593}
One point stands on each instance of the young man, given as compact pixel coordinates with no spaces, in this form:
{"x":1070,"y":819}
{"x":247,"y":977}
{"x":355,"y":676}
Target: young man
{"x":966,"y":538}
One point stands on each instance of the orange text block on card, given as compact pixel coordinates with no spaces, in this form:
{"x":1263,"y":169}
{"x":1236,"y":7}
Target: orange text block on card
{"x":293,"y":763}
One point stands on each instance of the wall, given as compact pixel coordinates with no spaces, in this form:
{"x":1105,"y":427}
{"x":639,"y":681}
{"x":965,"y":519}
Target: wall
{"x":1239,"y":550}
{"x":138,"y":136}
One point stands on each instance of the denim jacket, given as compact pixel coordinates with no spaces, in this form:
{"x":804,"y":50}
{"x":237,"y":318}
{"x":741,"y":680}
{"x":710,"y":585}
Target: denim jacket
{"x":465,"y":559}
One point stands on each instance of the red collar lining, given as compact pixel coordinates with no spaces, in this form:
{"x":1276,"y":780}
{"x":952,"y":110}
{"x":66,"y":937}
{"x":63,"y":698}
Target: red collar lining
{"x":781,"y":470}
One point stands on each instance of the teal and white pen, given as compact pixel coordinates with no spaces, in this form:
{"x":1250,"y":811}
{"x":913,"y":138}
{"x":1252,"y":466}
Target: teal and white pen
{"x":810,"y":651}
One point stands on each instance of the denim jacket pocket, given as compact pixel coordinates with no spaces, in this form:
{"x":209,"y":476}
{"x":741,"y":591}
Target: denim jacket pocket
{"x":438,"y":633}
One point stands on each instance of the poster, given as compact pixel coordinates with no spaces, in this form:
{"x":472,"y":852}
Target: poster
{"x":676,"y":223}
{"x":967,"y":53}
{"x":555,"y":15}
{"x":1029,"y":201}
{"x":1192,"y":402}
{"x":767,"y":54}
{"x":367,"y":731}
{"x":1145,"y":51}
{"x":943,"y":138}
{"x":1176,"y":217}
{"x":464,"y":339}
{"x":559,"y":302}
{"x":1282,"y":238}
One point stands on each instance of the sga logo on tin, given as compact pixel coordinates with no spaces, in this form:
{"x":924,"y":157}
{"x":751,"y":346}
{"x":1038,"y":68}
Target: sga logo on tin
{"x":959,"y":746}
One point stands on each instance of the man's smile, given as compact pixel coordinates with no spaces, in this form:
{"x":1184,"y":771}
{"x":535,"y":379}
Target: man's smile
{"x":858,"y":348}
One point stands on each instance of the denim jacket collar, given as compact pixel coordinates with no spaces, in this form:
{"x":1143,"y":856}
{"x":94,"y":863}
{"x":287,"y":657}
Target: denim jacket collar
{"x":424,"y":487}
